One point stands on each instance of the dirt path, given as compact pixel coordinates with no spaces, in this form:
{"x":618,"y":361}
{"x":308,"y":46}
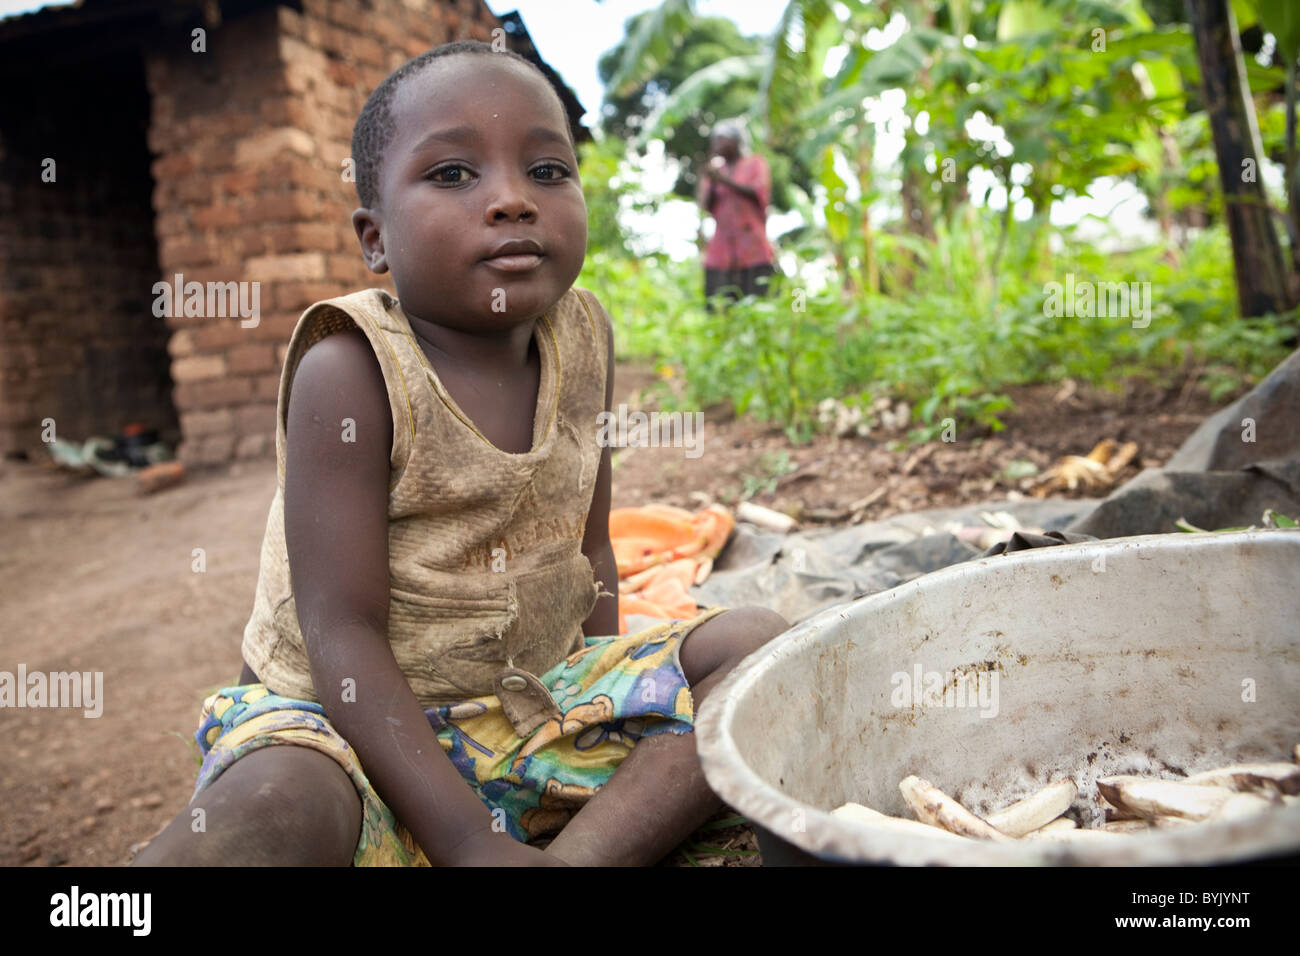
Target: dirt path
{"x":96,"y":579}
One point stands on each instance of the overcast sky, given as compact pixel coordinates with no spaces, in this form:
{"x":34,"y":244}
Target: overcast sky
{"x":571,"y":35}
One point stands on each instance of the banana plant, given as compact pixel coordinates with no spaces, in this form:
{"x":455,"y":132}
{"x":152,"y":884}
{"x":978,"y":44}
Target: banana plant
{"x":1072,"y":109}
{"x":652,"y":44}
{"x":696,"y":92}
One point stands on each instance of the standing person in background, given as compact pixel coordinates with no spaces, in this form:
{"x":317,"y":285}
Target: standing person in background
{"x":734,"y":189}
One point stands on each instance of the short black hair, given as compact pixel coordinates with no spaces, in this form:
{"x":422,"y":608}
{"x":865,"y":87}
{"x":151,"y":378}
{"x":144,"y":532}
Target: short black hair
{"x":374,"y":128}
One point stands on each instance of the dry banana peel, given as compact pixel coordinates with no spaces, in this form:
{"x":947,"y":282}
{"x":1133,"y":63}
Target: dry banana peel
{"x":1252,"y":778}
{"x":1095,"y":471}
{"x":1119,"y":460}
{"x":1069,"y":473}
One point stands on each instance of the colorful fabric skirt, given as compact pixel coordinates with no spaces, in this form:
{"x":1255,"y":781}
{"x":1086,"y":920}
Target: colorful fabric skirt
{"x":611,"y":694}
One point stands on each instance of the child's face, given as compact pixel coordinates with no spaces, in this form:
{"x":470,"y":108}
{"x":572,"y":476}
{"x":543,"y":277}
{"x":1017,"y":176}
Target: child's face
{"x":479,"y":157}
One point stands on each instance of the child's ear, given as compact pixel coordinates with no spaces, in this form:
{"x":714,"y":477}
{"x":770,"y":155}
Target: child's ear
{"x":367,"y":225}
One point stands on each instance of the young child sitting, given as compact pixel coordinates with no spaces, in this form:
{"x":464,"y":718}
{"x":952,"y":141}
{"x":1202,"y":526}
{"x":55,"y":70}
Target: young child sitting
{"x":437,"y":597}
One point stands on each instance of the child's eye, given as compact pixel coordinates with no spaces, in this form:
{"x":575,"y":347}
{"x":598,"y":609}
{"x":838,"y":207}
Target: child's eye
{"x":557,"y":171}
{"x":437,"y":175}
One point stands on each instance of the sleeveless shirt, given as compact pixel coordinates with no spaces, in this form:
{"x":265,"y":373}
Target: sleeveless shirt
{"x":486,"y":568}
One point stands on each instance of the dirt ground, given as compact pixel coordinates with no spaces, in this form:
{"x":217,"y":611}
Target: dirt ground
{"x":97,"y":579}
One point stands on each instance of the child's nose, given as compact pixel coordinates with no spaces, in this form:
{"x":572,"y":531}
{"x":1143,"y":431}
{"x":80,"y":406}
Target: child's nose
{"x":511,"y":201}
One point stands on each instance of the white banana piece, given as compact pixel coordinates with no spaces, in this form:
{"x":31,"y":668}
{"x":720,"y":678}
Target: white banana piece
{"x":1155,"y":798}
{"x":1057,"y":825}
{"x":1126,"y":826}
{"x":1068,"y":835}
{"x":1241,"y":805}
{"x":931,"y":805}
{"x":862,"y":816}
{"x":1035,"y":811}
{"x":1138,"y":825}
{"x":1252,"y":778}
{"x":856,"y":811}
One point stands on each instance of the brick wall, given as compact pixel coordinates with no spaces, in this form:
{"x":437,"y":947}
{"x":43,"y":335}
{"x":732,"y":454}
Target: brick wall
{"x":250,"y":139}
{"x":80,"y":344}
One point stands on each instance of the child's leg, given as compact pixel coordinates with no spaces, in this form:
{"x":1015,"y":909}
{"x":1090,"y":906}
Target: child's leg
{"x":658,"y":795}
{"x":281,"y":805}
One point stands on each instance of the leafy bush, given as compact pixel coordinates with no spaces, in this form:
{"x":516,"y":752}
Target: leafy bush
{"x":952,"y":343}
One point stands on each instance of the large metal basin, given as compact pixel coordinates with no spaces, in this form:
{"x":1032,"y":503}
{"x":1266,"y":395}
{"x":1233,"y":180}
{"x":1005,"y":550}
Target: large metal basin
{"x":1162,"y":655}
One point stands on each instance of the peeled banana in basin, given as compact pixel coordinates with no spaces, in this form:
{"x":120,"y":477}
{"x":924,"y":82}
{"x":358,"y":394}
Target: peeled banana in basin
{"x":1133,"y":804}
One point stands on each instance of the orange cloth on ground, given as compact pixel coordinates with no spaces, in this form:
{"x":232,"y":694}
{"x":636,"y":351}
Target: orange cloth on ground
{"x":661,"y":551}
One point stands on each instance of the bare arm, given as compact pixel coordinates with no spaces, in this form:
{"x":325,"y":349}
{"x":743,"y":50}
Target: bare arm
{"x":746,"y":191}
{"x":336,"y":530}
{"x":756,"y":192}
{"x":595,"y":541}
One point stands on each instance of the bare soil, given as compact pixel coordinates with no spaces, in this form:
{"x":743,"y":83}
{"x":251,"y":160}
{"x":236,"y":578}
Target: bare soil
{"x":98,"y":579}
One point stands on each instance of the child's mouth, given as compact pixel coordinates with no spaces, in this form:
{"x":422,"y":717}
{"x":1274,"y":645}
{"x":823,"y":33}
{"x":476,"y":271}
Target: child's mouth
{"x":516,"y":262}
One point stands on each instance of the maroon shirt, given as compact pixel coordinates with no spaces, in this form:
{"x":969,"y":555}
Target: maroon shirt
{"x":740,"y":240}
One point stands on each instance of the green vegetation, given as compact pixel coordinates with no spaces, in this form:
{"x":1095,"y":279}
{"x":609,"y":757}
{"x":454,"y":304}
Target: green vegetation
{"x":908,"y":282}
{"x":943,"y":346}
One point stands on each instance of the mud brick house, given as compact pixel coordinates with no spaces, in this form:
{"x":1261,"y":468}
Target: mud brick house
{"x":145,"y":139}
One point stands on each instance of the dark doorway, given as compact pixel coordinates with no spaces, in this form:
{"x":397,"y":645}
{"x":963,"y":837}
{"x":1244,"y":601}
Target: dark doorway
{"x":79,"y":342}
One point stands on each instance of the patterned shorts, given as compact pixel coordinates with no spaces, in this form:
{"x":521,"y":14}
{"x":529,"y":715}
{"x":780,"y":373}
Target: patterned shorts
{"x":611,"y":694}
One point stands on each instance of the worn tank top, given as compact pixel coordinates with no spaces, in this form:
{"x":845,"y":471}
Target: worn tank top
{"x":486,"y":569}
